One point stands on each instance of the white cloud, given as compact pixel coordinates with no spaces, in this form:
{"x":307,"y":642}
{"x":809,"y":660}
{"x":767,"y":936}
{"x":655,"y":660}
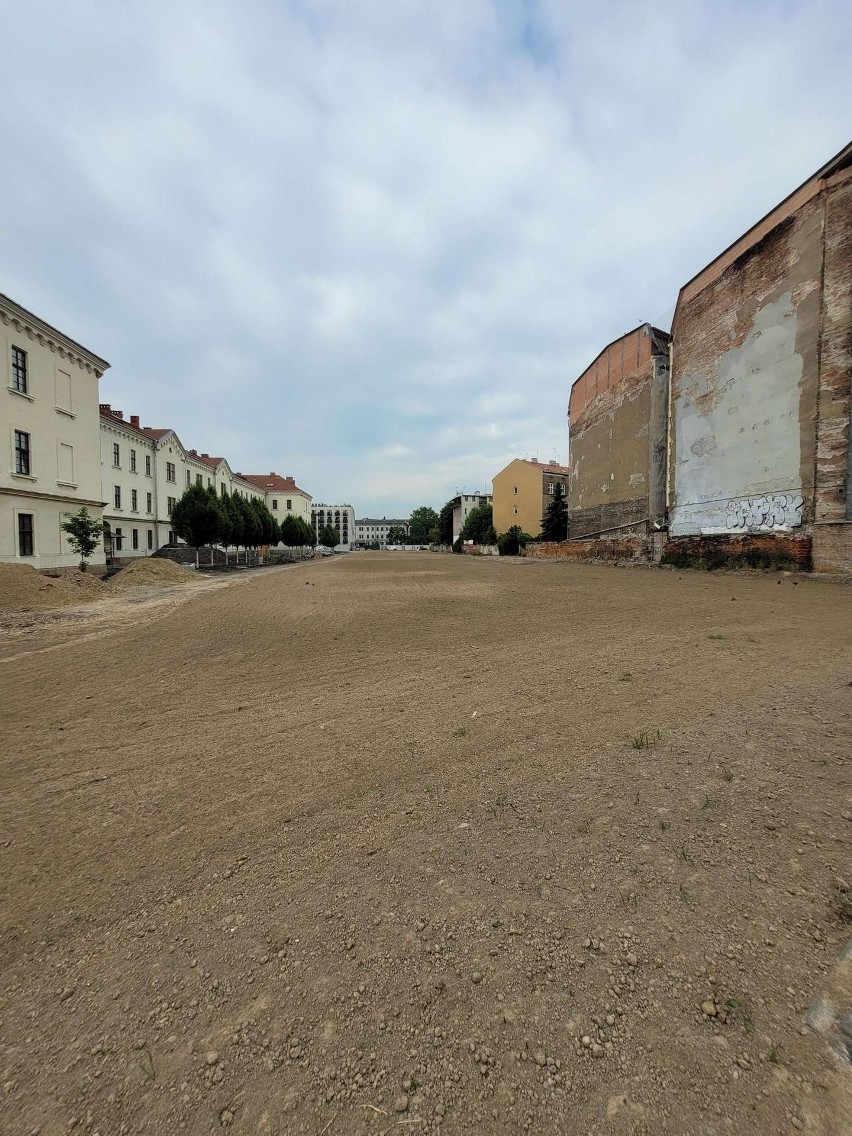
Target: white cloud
{"x":372,"y":245}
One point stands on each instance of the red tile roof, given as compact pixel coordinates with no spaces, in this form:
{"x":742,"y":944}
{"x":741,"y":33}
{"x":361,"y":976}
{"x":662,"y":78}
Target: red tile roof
{"x":549,"y":467}
{"x":274,"y":483}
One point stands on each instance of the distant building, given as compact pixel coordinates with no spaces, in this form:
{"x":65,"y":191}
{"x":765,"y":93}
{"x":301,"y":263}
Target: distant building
{"x":283,"y":496}
{"x":522,"y":492}
{"x":49,"y":388}
{"x":340,"y":517}
{"x":464,"y":503}
{"x":372,"y":530}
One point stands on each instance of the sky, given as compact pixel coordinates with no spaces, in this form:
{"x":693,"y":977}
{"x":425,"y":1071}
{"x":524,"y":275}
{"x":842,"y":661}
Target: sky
{"x":371,"y":243}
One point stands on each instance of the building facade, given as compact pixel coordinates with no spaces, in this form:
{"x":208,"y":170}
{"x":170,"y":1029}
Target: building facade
{"x":144,"y":472}
{"x":522,"y":492}
{"x":49,"y":386}
{"x":282,"y":495}
{"x":372,"y":532}
{"x":617,"y":423}
{"x":760,"y":399}
{"x":339,"y":517}
{"x":464,"y":503}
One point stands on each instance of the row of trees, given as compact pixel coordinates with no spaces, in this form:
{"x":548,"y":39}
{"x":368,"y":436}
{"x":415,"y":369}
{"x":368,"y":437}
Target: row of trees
{"x":204,"y":517}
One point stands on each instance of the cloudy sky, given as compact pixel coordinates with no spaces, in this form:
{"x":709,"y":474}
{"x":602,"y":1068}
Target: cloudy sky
{"x":371,"y":243}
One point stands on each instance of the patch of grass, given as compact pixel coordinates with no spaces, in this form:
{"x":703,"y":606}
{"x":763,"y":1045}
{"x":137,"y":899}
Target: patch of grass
{"x":684,"y":855}
{"x":715,"y":636}
{"x":726,"y":771}
{"x":773,"y":1057}
{"x":709,"y":802}
{"x":685,"y":896}
{"x":644,"y":740}
{"x":626,"y":676}
{"x":664,"y":825}
{"x":460,"y":732}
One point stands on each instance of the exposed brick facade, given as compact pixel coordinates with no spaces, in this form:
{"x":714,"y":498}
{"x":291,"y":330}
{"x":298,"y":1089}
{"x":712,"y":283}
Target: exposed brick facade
{"x":617,"y":419}
{"x":614,"y":549}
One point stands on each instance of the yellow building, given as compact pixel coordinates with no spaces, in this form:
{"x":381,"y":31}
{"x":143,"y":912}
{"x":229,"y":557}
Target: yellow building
{"x":522,"y":492}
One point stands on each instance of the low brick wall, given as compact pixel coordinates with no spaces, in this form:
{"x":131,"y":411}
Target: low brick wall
{"x":760,"y":550}
{"x":624,"y":548}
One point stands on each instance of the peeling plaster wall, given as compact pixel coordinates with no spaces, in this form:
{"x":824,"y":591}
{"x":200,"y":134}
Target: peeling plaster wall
{"x":744,"y":389}
{"x":737,"y":438}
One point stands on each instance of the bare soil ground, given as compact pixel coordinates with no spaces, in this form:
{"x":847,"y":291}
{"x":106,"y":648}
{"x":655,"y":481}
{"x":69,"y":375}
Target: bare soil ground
{"x":409,"y":842}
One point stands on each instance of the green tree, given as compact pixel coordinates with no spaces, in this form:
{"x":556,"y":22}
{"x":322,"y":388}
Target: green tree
{"x":479,"y":526}
{"x":421,"y":524}
{"x":510,"y":543}
{"x":328,"y":537}
{"x":84,"y":535}
{"x":397,"y":535}
{"x":309,"y":537}
{"x":445,"y":524}
{"x":233,"y":526}
{"x":554,"y":523}
{"x":196,"y":518}
{"x":252,"y":528}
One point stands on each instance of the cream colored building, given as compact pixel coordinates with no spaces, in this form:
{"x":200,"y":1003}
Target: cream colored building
{"x":282,"y":495}
{"x":522,"y":492}
{"x":49,"y":388}
{"x":144,"y":473}
{"x":465,"y":503}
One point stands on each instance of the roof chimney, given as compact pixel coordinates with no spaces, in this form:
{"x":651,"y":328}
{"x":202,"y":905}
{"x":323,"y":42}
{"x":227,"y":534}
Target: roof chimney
{"x":203,"y":455}
{"x":118,"y":414}
{"x":106,"y":408}
{"x":273,"y":474}
{"x":134,"y":420}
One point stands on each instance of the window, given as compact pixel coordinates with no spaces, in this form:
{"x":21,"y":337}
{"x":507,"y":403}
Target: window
{"x":147,"y":465}
{"x":22,"y":453}
{"x":170,"y":471}
{"x":223,"y":489}
{"x":275,"y":504}
{"x":117,"y":496}
{"x":118,"y":539}
{"x":150,"y":539}
{"x":132,"y":461}
{"x":134,"y":538}
{"x":148,"y":503}
{"x":171,"y":537}
{"x":199,"y":480}
{"x":116,"y":454}
{"x":65,"y":464}
{"x":170,"y":504}
{"x":188,"y":478}
{"x":19,"y":377}
{"x":134,"y":501}
{"x":289,"y":503}
{"x":26,"y":542}
{"x":515,"y":510}
{"x":209,"y":482}
{"x":515,"y":490}
{"x":63,"y":391}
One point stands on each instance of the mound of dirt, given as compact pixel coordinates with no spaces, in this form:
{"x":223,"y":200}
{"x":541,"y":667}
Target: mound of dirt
{"x":150,"y":572}
{"x":22,"y":588}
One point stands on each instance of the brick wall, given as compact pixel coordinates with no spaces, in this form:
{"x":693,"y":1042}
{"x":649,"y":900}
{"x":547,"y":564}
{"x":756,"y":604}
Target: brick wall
{"x":618,"y":549}
{"x":832,"y":547}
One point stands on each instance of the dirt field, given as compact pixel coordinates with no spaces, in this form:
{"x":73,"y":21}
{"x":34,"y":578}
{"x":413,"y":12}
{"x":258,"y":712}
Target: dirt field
{"x":409,"y":842}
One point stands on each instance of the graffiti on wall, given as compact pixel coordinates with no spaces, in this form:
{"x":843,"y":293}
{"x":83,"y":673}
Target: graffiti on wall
{"x":767,"y":512}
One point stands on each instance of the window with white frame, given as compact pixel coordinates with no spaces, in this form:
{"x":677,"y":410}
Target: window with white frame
{"x":132,"y":461}
{"x":134,"y":500}
{"x":171,"y":472}
{"x":116,"y":454}
{"x":116,"y":496}
{"x":147,"y":465}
